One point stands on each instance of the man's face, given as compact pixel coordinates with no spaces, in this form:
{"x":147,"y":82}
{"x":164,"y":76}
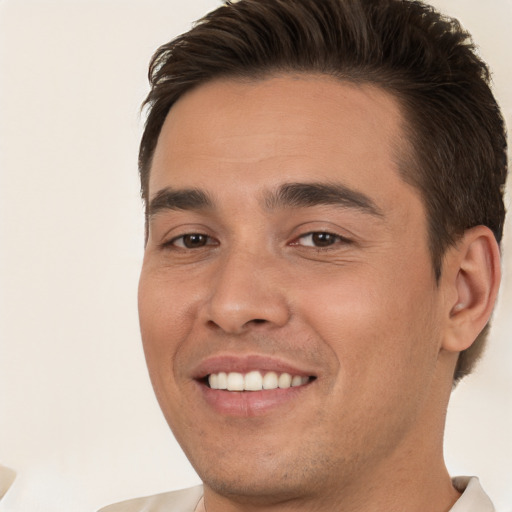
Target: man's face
{"x":284,"y":244}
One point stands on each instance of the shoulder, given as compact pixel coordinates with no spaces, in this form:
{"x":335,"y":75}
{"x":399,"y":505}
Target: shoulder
{"x":177,"y":501}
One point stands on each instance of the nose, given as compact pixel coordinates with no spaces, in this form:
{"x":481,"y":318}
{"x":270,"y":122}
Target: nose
{"x":247,"y":291}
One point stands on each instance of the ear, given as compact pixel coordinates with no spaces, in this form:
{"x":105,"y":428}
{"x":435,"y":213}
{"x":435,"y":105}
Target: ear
{"x":471,"y":277}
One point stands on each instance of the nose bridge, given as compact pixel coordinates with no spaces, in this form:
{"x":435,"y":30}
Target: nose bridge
{"x":246,"y":290}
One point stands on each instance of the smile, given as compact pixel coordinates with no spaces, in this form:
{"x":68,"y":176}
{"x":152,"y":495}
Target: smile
{"x":255,"y":381}
{"x":249,"y":385}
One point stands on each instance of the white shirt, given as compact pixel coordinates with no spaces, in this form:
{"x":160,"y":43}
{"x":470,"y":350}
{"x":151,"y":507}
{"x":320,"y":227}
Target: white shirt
{"x":473,"y":497}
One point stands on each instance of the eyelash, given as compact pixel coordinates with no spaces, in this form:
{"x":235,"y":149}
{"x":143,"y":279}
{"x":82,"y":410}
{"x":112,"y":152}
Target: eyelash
{"x":330,"y":239}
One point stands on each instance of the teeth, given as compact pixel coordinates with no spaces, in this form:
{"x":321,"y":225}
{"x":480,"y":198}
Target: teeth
{"x":254,"y":381}
{"x":270,"y":381}
{"x":235,"y":382}
{"x":296,"y":380}
{"x":222,"y":380}
{"x":214,"y":381}
{"x":285,"y":380}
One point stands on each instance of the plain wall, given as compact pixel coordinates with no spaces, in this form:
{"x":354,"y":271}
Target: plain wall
{"x":78,"y":420}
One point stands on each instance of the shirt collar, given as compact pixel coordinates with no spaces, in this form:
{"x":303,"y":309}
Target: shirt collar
{"x":473,"y":497}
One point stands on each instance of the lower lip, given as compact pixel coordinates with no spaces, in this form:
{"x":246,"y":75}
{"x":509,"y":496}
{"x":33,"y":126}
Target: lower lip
{"x":250,"y":403}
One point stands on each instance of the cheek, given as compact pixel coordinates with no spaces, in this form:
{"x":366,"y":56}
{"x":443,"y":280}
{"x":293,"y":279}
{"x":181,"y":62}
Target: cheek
{"x":377,"y":324}
{"x":384,"y":350}
{"x":165,"y":309}
{"x":162,"y":310}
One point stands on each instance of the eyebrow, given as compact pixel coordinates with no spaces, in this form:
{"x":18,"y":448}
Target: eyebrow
{"x":304,"y":195}
{"x":288,"y":195}
{"x":182,"y":199}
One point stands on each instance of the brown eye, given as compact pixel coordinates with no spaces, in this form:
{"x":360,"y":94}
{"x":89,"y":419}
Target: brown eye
{"x":320,"y":239}
{"x":191,"y":241}
{"x":323,"y":239}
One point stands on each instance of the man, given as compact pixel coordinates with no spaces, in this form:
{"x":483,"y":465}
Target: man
{"x":323,"y":183}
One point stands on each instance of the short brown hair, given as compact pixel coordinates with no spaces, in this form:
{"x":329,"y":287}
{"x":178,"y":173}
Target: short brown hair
{"x":424,"y":59}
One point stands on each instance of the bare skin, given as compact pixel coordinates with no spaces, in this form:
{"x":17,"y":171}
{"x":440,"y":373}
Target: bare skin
{"x":243,"y":272}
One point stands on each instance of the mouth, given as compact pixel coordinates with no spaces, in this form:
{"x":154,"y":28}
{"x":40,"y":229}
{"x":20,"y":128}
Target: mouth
{"x":251,"y":385}
{"x":255,"y":380}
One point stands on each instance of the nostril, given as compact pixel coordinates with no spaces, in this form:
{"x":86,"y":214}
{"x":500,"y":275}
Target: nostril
{"x":258,"y":321}
{"x":212,"y":324}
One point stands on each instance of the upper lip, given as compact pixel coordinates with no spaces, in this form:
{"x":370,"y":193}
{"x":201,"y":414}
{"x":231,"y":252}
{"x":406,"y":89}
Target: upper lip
{"x":246,"y":363}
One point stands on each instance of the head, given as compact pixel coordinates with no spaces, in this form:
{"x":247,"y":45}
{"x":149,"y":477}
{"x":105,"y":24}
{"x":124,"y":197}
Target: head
{"x":263,"y":120}
{"x":456,"y":154}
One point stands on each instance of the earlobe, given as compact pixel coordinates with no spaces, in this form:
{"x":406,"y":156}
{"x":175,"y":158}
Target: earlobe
{"x":473,"y":273}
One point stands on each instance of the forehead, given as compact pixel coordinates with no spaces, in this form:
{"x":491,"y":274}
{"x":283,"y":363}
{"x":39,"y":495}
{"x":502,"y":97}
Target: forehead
{"x":281,"y":129}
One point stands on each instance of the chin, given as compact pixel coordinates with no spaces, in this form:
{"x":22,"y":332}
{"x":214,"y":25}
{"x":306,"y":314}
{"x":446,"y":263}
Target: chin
{"x":258,"y":489}
{"x":275,"y":478}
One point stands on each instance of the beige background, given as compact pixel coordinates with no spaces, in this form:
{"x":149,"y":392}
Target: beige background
{"x":78,"y":420}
